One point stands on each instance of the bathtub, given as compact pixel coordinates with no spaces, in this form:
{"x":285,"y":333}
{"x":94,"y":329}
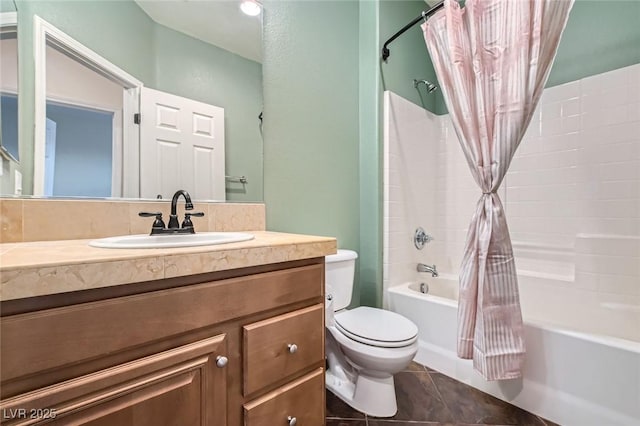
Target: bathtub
{"x":571,"y":376}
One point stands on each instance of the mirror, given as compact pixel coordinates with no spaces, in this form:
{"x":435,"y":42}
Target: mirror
{"x":9,"y":152}
{"x":206,"y":50}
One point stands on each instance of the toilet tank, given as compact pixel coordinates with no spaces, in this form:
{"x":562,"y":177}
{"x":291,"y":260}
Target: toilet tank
{"x":339,"y":274}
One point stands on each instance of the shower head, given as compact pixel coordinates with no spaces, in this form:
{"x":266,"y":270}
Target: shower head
{"x":430,"y":86}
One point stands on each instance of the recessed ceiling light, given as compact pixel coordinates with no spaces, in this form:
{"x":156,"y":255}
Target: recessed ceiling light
{"x":250,"y":7}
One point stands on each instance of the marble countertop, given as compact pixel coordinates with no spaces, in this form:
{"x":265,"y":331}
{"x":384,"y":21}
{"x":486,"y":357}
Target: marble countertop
{"x":50,"y":267}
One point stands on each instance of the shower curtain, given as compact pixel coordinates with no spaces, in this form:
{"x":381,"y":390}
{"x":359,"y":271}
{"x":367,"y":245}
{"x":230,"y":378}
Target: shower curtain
{"x":492,"y":59}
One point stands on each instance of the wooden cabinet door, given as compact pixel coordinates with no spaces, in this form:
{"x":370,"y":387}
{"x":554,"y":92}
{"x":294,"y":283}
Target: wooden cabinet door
{"x":182,"y":387}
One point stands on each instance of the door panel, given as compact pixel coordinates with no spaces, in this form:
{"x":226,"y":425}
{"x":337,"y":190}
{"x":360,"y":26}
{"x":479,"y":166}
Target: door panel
{"x":181,"y":387}
{"x":167,"y":167}
{"x":195,"y":132}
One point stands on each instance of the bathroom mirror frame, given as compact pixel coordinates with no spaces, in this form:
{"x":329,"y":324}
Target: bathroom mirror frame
{"x":128,"y":150}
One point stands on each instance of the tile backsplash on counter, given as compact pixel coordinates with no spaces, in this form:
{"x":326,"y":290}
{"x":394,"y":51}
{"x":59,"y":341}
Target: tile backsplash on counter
{"x":23,"y":220}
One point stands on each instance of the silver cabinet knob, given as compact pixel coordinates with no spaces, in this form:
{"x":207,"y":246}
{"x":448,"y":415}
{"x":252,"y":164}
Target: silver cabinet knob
{"x":221,"y":361}
{"x":293,"y":348}
{"x":292,"y":421}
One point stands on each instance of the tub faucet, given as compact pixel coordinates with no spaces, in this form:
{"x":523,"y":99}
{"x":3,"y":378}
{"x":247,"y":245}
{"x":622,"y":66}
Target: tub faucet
{"x":427,"y":268}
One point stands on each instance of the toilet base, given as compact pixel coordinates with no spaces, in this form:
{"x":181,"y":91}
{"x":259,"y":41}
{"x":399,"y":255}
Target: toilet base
{"x":374,"y":396}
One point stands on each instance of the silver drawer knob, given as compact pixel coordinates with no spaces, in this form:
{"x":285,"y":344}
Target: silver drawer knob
{"x":221,"y":361}
{"x":292,"y":421}
{"x":293,"y":348}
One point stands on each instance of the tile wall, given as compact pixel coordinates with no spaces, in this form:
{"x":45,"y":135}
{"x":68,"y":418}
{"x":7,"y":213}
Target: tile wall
{"x":572,"y":193}
{"x":409,"y":185}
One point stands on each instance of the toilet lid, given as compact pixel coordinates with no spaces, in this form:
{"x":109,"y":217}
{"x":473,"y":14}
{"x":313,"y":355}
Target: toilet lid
{"x":376,"y":327}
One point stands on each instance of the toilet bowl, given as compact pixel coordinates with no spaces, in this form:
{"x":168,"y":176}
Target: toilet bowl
{"x":365,"y":346}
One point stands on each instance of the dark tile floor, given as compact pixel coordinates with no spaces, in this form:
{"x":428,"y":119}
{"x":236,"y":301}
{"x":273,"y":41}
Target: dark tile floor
{"x":426,"y":397}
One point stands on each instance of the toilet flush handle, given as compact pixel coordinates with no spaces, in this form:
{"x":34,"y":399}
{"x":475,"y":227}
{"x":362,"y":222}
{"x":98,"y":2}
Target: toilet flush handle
{"x":293,"y":348}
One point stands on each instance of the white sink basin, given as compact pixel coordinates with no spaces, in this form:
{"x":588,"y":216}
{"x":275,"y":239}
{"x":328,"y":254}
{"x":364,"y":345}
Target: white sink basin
{"x":167,"y":241}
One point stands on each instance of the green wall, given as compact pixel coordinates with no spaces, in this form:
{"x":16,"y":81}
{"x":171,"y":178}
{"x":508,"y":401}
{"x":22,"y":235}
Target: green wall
{"x":370,"y":157}
{"x":7,"y":6}
{"x":311,"y":125}
{"x":409,"y":58}
{"x":162,"y":59}
{"x":197,"y":70}
{"x":600,"y":36}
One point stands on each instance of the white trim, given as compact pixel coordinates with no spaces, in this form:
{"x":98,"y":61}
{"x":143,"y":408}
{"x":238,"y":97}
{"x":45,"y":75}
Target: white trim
{"x":8,"y":19}
{"x":59,"y":100}
{"x":116,"y":155}
{"x":40,"y":105}
{"x":131,"y":150}
{"x":45,"y":33}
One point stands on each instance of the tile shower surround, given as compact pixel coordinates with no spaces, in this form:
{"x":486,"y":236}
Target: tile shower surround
{"x":572,"y":193}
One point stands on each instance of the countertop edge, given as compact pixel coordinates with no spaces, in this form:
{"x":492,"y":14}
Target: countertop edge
{"x":113,"y":268}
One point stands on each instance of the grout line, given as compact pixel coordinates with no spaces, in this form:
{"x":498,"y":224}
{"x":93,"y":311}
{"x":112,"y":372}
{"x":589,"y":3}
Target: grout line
{"x":444,"y":402}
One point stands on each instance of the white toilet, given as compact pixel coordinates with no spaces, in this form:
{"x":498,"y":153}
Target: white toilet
{"x":365,"y":346}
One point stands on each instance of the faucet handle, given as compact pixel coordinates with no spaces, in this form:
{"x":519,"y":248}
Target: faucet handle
{"x":186,"y":223}
{"x":158,"y":223}
{"x":420,"y":238}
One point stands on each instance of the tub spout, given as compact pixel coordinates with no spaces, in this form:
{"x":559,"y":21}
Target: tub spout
{"x":427,"y":268}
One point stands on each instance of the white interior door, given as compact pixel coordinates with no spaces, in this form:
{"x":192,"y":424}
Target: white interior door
{"x":49,"y":157}
{"x":181,"y":147}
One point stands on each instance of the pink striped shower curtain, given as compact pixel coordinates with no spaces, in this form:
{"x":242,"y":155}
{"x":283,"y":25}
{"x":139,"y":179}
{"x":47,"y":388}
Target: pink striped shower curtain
{"x":492,"y":59}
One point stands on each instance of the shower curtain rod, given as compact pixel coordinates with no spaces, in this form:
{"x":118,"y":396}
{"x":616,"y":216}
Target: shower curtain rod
{"x":423,"y":16}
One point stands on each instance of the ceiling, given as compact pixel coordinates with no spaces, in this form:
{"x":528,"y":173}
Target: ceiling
{"x":218,"y":22}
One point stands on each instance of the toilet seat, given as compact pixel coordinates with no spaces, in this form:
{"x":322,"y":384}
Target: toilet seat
{"x":376,"y":327}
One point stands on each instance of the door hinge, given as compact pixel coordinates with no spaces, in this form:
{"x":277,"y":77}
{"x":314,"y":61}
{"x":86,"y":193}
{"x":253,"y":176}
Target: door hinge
{"x":136,"y":118}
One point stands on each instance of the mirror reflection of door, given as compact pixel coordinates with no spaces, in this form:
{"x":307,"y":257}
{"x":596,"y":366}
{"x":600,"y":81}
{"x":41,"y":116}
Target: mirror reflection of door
{"x":87,"y":110}
{"x":181,"y":146}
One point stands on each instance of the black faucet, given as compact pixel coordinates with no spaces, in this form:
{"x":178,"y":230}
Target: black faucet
{"x":158,"y":227}
{"x":173,"y":219}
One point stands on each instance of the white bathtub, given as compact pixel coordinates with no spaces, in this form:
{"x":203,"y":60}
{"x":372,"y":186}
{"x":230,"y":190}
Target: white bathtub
{"x":570,"y":377}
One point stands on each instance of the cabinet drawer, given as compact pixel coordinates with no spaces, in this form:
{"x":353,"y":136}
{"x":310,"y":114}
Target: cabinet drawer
{"x":281,"y":346}
{"x":302,"y":399}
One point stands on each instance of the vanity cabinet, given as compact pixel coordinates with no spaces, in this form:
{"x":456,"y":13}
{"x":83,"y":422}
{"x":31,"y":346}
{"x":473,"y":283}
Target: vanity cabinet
{"x":242,"y":347}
